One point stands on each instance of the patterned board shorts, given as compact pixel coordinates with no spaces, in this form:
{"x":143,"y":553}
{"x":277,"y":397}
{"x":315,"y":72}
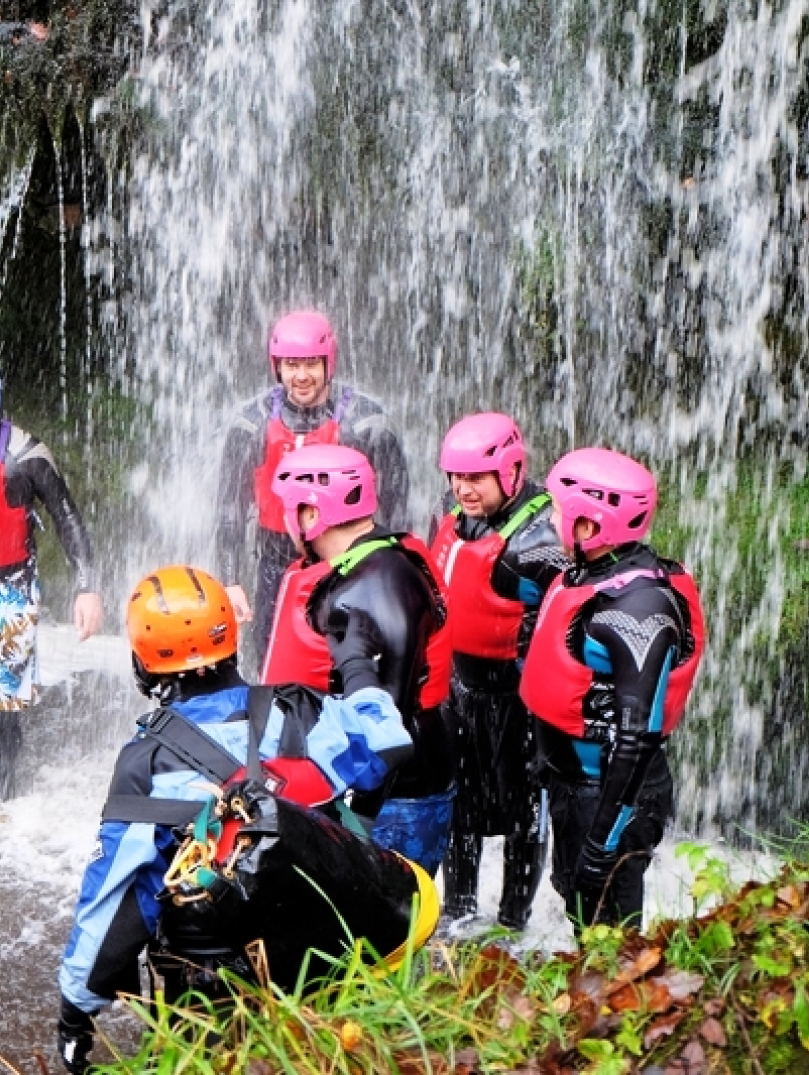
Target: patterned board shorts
{"x":19,"y":615}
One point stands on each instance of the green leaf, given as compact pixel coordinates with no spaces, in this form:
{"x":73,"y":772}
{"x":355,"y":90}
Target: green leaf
{"x":771,"y":967}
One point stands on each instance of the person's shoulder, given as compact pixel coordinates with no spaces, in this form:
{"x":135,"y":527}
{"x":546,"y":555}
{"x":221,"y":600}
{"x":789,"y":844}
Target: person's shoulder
{"x":359,"y":403}
{"x":25,"y":447}
{"x":445,"y":505}
{"x":252,"y":415}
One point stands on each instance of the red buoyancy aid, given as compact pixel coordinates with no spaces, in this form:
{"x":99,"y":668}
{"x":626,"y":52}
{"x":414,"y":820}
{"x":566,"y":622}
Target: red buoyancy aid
{"x":484,"y":624}
{"x":297,"y":653}
{"x":554,"y":683}
{"x":13,"y":521}
{"x":281,"y":440}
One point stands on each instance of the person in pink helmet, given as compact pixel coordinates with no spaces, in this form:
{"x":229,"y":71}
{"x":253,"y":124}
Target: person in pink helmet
{"x":306,"y":406}
{"x":612,"y":660}
{"x":350,"y":565}
{"x":492,"y":539}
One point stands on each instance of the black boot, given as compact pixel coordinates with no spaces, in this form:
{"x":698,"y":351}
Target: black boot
{"x":523,"y":863}
{"x":461,"y":865}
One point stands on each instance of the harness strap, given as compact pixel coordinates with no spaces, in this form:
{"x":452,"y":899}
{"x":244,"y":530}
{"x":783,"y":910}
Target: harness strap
{"x":135,"y":809}
{"x":259,"y":704}
{"x":190,"y":744}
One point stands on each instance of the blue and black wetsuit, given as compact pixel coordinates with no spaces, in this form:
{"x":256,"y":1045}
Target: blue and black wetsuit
{"x":610,"y":788}
{"x":354,"y":742}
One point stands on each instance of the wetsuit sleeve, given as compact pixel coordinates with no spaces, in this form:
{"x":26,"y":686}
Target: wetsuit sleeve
{"x":235,"y":498}
{"x":640,"y":635}
{"x":367,"y":428}
{"x":32,"y":475}
{"x":117,"y":910}
{"x":358,"y":740}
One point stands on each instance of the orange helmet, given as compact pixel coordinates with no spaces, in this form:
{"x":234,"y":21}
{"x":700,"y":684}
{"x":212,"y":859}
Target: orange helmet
{"x":178,"y":619}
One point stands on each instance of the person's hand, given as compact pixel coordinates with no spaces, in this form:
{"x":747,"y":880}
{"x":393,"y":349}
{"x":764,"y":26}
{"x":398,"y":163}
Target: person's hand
{"x":87,"y":614}
{"x":354,"y":648}
{"x":75,"y":1037}
{"x":593,"y":873}
{"x":241,"y":606}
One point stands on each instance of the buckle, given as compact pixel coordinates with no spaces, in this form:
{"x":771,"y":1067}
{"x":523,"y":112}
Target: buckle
{"x":157,"y":720}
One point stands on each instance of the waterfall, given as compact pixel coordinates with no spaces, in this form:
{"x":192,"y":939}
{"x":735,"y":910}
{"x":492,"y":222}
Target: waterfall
{"x":590,"y":215}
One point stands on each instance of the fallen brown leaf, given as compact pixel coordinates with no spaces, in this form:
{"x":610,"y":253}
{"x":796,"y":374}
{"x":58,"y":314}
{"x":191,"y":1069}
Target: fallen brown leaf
{"x":648,"y":996}
{"x":713,"y":1032}
{"x":662,"y":1027}
{"x":647,"y":960}
{"x":467,"y":1062}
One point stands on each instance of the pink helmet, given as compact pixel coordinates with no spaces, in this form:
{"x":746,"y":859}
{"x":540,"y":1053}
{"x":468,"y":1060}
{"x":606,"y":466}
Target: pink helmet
{"x":304,"y":335}
{"x":338,"y":481}
{"x":606,"y":487}
{"x":485,"y":442}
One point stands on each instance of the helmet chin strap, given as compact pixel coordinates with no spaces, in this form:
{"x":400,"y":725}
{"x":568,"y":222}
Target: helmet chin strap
{"x":579,"y":556}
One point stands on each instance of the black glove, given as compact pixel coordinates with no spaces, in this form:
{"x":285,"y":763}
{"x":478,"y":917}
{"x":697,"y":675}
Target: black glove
{"x":75,"y":1037}
{"x":354,"y":650}
{"x":593,"y":872}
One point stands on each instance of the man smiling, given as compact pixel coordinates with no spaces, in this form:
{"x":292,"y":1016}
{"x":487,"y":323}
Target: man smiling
{"x":306,"y":406}
{"x":492,"y":540}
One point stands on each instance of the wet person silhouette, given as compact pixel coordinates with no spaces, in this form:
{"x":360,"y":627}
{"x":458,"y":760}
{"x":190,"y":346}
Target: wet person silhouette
{"x":351,"y":563}
{"x":256,"y":861}
{"x":617,"y":644}
{"x":492,"y":539}
{"x":307,"y":406}
{"x":30,"y":479}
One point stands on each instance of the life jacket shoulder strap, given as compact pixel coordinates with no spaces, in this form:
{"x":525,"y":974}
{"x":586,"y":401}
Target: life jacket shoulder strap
{"x":529,"y":509}
{"x":5,"y":437}
{"x":347,"y":561}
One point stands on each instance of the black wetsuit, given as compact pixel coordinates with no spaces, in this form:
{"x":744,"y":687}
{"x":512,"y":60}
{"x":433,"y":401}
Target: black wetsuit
{"x":614,"y":787}
{"x":494,"y":736}
{"x":32,"y":478}
{"x":403,"y":604}
{"x":363,"y":425}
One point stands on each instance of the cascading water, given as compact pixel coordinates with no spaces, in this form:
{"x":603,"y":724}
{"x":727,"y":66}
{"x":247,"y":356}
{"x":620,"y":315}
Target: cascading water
{"x":589,"y":215}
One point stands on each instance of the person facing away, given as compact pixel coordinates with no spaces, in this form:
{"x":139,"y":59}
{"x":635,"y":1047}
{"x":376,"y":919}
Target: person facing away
{"x":491,"y":537}
{"x":29,"y":477}
{"x":349,"y":562}
{"x":282,"y":873}
{"x":616,"y":647}
{"x":306,"y":406}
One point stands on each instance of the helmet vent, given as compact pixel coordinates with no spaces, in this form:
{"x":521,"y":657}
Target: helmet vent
{"x":638,"y":522}
{"x":354,"y":496}
{"x":614,"y":499}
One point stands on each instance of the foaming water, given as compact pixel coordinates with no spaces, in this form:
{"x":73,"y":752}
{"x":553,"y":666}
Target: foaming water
{"x":47,"y":832}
